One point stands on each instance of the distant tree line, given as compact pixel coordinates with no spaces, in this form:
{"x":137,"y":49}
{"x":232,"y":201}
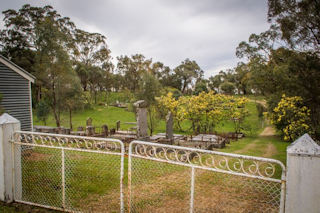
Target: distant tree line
{"x":69,"y":62}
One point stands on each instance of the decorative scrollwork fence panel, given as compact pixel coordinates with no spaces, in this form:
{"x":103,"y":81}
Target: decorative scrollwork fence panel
{"x":165,"y":178}
{"x":68,"y":173}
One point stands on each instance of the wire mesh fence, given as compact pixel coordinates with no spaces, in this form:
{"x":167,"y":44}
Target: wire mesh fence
{"x":69,"y":173}
{"x":73,"y":173}
{"x":219,"y":192}
{"x":159,"y":187}
{"x":165,"y":178}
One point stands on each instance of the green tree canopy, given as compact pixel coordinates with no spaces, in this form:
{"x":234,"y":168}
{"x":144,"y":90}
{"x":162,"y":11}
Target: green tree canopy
{"x":187,"y":73}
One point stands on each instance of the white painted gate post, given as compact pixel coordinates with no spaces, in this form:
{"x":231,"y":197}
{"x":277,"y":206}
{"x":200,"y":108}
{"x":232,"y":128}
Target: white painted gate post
{"x":303,"y":176}
{"x":8,"y":125}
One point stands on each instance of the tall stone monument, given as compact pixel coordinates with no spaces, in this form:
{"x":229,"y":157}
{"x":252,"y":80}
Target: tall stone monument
{"x":142,"y":118}
{"x":169,"y":126}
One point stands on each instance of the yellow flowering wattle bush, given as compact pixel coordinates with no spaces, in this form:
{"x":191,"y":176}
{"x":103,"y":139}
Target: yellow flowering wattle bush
{"x":205,"y":110}
{"x":291,"y":117}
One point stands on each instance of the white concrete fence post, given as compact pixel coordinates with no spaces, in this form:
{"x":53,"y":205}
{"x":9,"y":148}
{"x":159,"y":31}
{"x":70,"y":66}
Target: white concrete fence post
{"x":303,"y":176}
{"x":8,"y":125}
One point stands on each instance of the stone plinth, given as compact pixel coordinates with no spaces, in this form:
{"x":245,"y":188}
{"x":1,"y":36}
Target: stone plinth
{"x":303,"y":176}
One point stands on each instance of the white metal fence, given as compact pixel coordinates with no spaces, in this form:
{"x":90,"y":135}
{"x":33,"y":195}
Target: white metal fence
{"x":164,"y":178}
{"x":86,"y":174}
{"x":68,"y":173}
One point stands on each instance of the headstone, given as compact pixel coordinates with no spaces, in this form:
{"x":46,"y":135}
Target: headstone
{"x":67,"y":131}
{"x":80,"y":128}
{"x":117,"y":125}
{"x":105,"y":130}
{"x":89,"y":122}
{"x":90,"y":130}
{"x":112,"y":131}
{"x":169,"y":126}
{"x":142,"y":118}
{"x":61,"y":130}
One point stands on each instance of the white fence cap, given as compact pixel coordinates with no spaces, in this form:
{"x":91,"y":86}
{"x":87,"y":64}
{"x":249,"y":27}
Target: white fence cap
{"x":304,"y":145}
{"x":5,"y":118}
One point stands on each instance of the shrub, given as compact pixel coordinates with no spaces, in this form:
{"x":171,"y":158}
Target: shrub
{"x":291,"y":117}
{"x":206,"y":110}
{"x":43,"y":111}
{"x":227,"y":88}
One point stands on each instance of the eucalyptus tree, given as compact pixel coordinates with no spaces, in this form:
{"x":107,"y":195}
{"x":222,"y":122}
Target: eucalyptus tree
{"x":215,"y":82}
{"x":299,"y":22}
{"x":49,"y":38}
{"x":132,"y":69}
{"x":187,"y":73}
{"x":20,"y":37}
{"x":91,"y":50}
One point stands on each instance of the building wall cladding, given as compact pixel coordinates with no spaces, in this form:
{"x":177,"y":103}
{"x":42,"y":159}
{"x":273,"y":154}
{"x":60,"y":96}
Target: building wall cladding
{"x":15,"y":96}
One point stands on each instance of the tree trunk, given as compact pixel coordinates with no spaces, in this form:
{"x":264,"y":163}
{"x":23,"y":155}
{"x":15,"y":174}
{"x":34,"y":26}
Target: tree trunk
{"x":39,"y":93}
{"x":54,"y":106}
{"x":95,"y":96}
{"x":150,"y":120}
{"x":70,"y":118}
{"x":184,"y":87}
{"x":244,"y":91}
{"x":56,"y":117}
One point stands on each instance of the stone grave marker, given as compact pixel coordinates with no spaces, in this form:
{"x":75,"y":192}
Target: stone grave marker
{"x":105,"y":130}
{"x":142,"y":118}
{"x":118,"y":125}
{"x":90,"y":130}
{"x":169,"y":126}
{"x":89,"y":122}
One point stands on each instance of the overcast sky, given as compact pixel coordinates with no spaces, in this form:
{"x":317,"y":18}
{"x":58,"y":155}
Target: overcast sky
{"x":169,"y":31}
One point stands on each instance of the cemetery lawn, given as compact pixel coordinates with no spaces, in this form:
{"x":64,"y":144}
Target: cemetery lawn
{"x":109,"y":115}
{"x":260,"y":146}
{"x":252,"y":144}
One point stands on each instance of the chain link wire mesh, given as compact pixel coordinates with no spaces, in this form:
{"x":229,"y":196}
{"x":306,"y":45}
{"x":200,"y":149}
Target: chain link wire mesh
{"x":54,"y":175}
{"x":159,"y":187}
{"x":86,"y":175}
{"x":38,"y":175}
{"x":162,"y":180}
{"x":218,"y":192}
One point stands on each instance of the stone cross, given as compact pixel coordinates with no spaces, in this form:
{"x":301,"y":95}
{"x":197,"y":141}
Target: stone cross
{"x":89,"y":121}
{"x":169,"y":126}
{"x":142,"y":118}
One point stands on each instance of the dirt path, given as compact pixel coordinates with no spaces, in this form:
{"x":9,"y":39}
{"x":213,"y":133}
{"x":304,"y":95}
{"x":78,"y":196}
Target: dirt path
{"x":270,"y":151}
{"x":262,"y":102}
{"x":247,"y":147}
{"x":268,"y":131}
